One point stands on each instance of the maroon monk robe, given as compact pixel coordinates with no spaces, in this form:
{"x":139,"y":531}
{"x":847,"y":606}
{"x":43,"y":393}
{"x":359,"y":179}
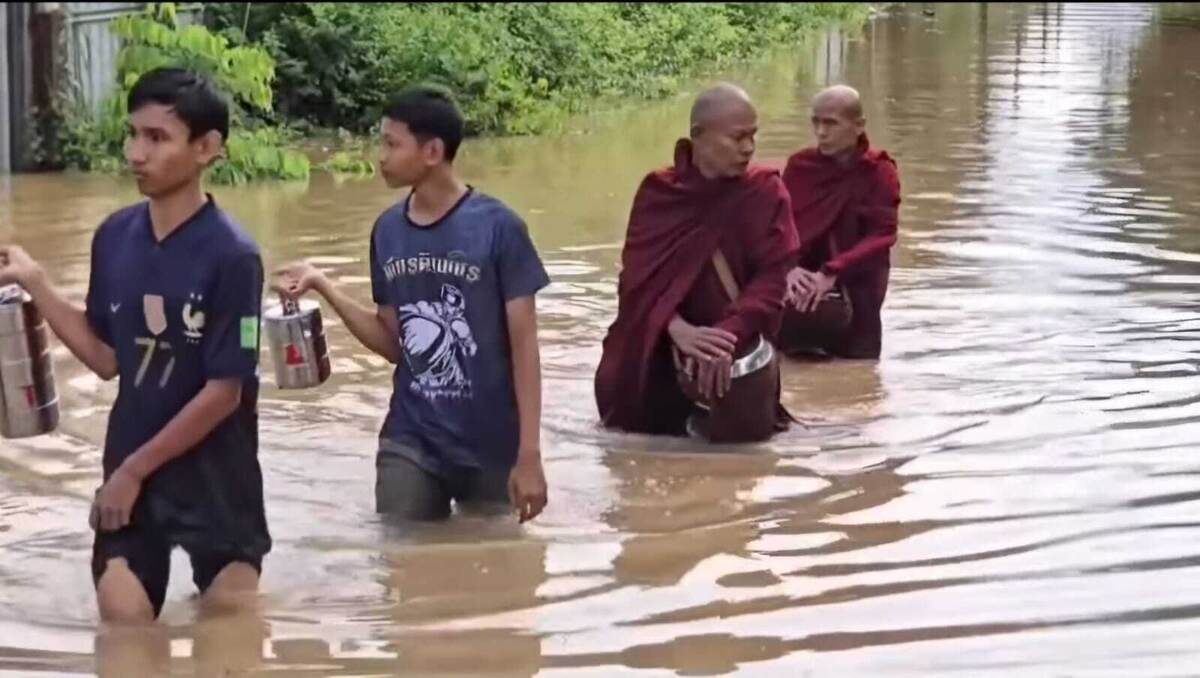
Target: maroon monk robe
{"x":857,"y":203}
{"x":678,"y":219}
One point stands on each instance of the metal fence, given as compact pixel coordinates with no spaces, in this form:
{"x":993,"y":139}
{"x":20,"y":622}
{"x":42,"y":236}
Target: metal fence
{"x":15,"y":45}
{"x":91,"y":61}
{"x":5,"y":125}
{"x":93,"y":47}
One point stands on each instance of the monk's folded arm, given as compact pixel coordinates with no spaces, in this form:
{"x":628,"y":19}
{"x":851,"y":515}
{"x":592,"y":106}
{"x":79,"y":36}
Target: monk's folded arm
{"x":850,"y":260}
{"x":881,"y":212}
{"x":758,"y":309}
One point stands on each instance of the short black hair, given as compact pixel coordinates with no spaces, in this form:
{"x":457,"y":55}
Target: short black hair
{"x":193,"y":97}
{"x":429,"y":112}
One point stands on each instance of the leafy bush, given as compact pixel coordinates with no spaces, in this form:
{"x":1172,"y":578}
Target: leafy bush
{"x":1185,"y":14}
{"x":514,"y":67}
{"x":351,"y":159}
{"x":95,"y":140}
{"x":258,"y":154}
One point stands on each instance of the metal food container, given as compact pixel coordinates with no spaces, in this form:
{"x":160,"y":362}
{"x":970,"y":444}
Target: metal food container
{"x":27,"y":389}
{"x":297,"y":340}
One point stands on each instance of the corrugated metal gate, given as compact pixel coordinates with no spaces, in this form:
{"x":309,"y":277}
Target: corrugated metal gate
{"x":94,"y":48}
{"x":14,"y":61}
{"x":5,"y":125}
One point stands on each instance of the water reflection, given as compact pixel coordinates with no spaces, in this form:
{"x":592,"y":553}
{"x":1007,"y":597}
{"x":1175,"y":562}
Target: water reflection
{"x":682,"y":510}
{"x":215,"y":646}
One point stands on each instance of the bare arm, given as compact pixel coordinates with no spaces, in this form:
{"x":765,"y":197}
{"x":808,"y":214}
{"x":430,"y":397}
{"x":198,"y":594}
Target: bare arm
{"x":212,"y":405}
{"x":68,"y":321}
{"x":527,"y":483}
{"x":527,"y":370}
{"x":378,"y":329}
{"x":203,"y":413}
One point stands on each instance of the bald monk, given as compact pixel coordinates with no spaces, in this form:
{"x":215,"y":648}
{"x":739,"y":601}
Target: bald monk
{"x":845,"y":200}
{"x":674,"y":312}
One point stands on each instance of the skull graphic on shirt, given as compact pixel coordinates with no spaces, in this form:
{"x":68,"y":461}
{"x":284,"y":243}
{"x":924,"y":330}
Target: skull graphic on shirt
{"x":437,"y":340}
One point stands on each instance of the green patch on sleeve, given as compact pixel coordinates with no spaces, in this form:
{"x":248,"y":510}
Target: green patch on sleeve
{"x":250,"y":332}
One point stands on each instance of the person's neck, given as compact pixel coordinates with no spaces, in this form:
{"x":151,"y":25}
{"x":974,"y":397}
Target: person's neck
{"x":843,"y":157}
{"x":170,"y":211}
{"x":848,"y":155}
{"x":436,"y":195}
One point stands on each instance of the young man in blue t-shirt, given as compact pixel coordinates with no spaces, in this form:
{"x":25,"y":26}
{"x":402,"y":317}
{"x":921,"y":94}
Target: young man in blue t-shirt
{"x":453,"y":277}
{"x":172,"y":309}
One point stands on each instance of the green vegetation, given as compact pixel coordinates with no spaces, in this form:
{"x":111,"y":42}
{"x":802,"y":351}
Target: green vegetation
{"x":351,"y":157}
{"x":516,"y":68}
{"x":1184,"y":14}
{"x":95,"y":140}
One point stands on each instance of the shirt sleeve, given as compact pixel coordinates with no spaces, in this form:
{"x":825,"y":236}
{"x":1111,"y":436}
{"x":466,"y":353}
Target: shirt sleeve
{"x":520,"y":269}
{"x":96,"y":304}
{"x":378,"y":281}
{"x":231,"y":336}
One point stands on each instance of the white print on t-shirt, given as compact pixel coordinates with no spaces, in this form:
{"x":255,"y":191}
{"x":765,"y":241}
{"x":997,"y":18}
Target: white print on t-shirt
{"x":155,"y":311}
{"x":453,"y":264}
{"x":437,"y":340}
{"x":193,"y":321}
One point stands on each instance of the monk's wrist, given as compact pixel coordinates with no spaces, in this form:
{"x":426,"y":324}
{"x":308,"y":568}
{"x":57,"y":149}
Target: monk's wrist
{"x":677,"y":325}
{"x":736,"y":326}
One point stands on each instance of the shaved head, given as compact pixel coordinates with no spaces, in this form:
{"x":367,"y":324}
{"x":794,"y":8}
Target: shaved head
{"x":842,"y":99}
{"x":715,"y":101}
{"x":837,"y":118}
{"x":723,"y":125}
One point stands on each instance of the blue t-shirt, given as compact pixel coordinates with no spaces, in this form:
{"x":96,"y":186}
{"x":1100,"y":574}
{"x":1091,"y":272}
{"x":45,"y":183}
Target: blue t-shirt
{"x":178,"y":313}
{"x":454,"y":404}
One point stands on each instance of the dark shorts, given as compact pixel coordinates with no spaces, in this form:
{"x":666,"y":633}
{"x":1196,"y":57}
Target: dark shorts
{"x":405,"y":490}
{"x":148,"y":552}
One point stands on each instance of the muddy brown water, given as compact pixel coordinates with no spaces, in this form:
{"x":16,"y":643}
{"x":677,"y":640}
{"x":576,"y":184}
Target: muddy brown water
{"x":1012,"y":490}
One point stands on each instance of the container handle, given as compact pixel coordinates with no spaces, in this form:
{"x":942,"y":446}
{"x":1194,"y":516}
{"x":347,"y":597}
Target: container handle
{"x":290,"y":307}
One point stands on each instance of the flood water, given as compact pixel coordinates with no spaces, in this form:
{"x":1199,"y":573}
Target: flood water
{"x":1012,"y":490}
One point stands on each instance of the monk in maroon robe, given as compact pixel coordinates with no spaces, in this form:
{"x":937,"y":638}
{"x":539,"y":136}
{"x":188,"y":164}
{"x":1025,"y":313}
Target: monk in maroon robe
{"x":669,"y":292}
{"x":845,"y":200}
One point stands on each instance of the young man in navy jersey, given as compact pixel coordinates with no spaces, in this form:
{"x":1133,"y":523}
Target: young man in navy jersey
{"x":172,"y":309}
{"x":453,"y":277}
